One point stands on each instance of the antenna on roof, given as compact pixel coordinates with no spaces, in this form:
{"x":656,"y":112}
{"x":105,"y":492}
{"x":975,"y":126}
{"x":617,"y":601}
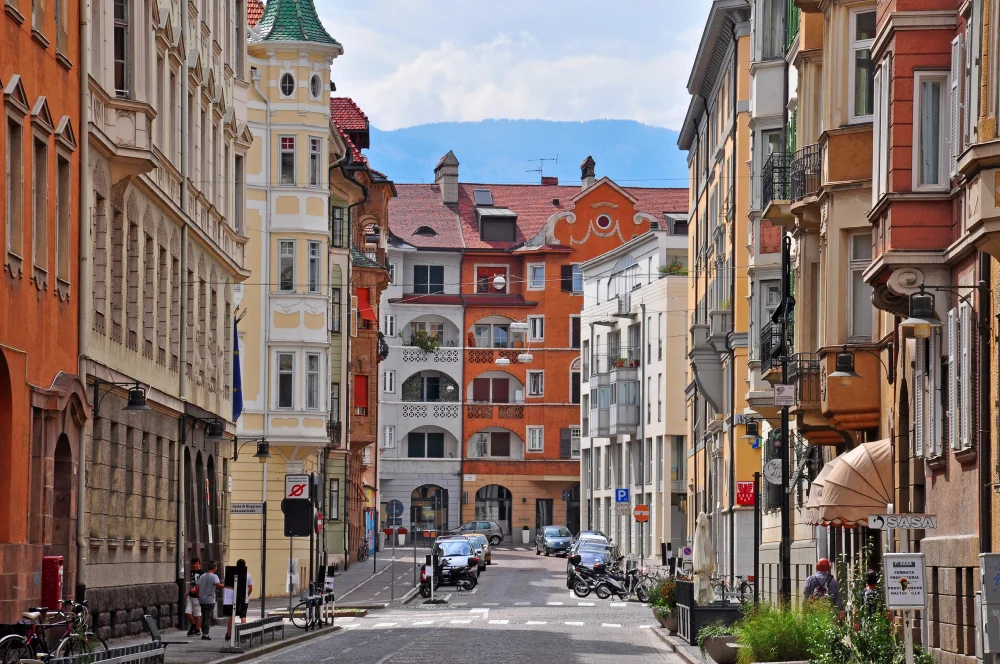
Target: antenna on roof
{"x":541,"y":165}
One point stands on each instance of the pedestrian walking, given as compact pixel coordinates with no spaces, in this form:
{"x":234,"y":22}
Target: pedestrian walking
{"x":208,"y":584}
{"x":240,"y":609}
{"x":193,"y":608}
{"x":823,"y":586}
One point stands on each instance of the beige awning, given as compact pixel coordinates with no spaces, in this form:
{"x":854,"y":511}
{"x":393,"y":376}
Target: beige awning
{"x":811,"y":513}
{"x":857,"y":484}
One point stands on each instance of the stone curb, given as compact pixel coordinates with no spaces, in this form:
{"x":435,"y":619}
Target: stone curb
{"x":277,"y":645}
{"x":673,"y":645}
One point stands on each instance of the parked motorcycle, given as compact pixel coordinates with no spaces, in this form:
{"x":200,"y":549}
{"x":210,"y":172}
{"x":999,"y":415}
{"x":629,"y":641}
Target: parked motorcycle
{"x":463,"y":577}
{"x":624,"y":586}
{"x":583,"y":580}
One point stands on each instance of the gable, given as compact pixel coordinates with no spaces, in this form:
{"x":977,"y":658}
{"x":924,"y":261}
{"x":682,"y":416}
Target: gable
{"x":40,"y":115}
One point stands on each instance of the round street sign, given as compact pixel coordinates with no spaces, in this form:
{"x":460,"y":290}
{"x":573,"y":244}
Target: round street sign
{"x":319,"y":522}
{"x":772,"y":471}
{"x":641,"y":513}
{"x":687,"y":552}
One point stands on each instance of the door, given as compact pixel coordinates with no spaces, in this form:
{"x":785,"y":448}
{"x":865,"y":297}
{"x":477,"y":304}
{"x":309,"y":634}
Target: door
{"x":501,"y":390}
{"x":573,"y":509}
{"x":543,"y":513}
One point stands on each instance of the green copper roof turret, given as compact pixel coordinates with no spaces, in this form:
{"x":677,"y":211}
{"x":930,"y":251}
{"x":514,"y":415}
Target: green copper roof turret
{"x":291,"y":21}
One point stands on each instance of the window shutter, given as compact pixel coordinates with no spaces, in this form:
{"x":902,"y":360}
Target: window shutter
{"x":877,"y":140}
{"x":967,"y":85}
{"x":567,"y":278}
{"x":565,"y":444}
{"x":884,"y":164}
{"x":954,"y":418}
{"x":354,"y":315}
{"x":956,"y":72}
{"x":934,"y":419}
{"x":919,"y":399}
{"x":965,"y":371}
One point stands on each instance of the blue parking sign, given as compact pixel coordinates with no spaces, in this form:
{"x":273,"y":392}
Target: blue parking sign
{"x":621,"y":496}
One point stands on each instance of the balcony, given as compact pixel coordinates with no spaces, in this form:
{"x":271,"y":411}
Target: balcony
{"x":490,"y":411}
{"x":122,"y":133}
{"x":599,"y":421}
{"x":490,"y":355}
{"x":774,"y":200}
{"x":803,"y":373}
{"x":806,"y":175}
{"x":412,"y":354}
{"x":433,"y":409}
{"x":855,"y":405}
{"x":773,"y":345}
{"x":623,"y":419}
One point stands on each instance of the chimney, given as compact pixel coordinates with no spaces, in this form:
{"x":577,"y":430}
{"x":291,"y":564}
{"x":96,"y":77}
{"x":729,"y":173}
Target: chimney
{"x":550,"y":179}
{"x":587,"y":172}
{"x":446,"y":176}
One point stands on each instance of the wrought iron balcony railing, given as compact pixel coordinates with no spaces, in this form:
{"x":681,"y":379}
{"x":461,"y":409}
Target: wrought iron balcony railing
{"x":774,"y":179}
{"x":774,"y":344}
{"x":803,"y":373}
{"x":805,"y":171}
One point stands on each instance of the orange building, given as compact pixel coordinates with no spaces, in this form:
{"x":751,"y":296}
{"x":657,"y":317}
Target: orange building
{"x":522,"y":294}
{"x":43,"y":404}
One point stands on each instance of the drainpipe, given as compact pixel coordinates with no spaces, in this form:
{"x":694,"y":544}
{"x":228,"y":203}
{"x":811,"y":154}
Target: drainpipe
{"x":590,"y":401}
{"x":83,"y":295}
{"x":732,"y":349}
{"x":985,"y":450}
{"x":642,"y":422}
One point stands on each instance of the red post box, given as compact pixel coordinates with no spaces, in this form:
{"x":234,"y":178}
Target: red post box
{"x":52,"y":580}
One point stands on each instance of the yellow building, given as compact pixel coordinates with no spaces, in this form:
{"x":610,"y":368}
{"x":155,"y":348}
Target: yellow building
{"x":716,"y":135}
{"x":285,"y":340}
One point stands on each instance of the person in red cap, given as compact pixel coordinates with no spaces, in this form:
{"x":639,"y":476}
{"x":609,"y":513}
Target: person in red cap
{"x":822,"y":585}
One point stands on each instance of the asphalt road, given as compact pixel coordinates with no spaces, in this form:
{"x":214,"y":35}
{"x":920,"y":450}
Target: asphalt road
{"x":520,"y":611}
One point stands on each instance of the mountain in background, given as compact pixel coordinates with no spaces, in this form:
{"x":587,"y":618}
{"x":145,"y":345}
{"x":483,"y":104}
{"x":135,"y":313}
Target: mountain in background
{"x":501,"y":151}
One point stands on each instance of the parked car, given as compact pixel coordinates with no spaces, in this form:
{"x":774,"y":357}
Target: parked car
{"x":492,"y":530}
{"x":487,"y":549}
{"x":590,"y":555}
{"x":553,"y":539}
{"x":457,"y":564}
{"x":478,"y":546}
{"x":590,"y":535}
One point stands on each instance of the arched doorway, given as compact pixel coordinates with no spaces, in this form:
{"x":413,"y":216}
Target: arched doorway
{"x":428,"y":509}
{"x":201,"y":520}
{"x":493,"y":503}
{"x":62,"y":498}
{"x":573,"y":508}
{"x":214,"y":541}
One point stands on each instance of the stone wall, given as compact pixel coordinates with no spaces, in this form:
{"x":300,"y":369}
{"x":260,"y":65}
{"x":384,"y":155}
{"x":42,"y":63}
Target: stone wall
{"x":118,"y":612}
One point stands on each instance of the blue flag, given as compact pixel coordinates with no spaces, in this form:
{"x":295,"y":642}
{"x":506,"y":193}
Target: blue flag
{"x":237,"y":375}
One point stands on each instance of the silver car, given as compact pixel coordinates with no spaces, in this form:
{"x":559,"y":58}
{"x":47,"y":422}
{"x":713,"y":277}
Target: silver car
{"x":492,"y":530}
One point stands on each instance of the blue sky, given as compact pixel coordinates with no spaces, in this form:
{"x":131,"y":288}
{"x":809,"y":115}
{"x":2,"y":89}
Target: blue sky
{"x":412,"y":62}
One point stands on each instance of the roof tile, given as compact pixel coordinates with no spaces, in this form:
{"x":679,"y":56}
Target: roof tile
{"x":255,"y":9}
{"x":291,"y":20}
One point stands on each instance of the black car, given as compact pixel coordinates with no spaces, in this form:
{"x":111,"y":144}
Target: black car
{"x":590,"y":555}
{"x":454,"y":554}
{"x":553,"y":539}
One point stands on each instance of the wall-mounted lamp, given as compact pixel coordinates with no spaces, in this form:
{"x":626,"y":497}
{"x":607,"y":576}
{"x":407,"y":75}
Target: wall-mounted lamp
{"x":752,"y":430}
{"x":844,"y":364}
{"x":922,"y":316}
{"x":263,"y":450}
{"x":136,"y":396}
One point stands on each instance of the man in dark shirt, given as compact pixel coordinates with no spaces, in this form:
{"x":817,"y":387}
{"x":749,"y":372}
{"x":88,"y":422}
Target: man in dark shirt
{"x":208,"y":585}
{"x":193,"y":612}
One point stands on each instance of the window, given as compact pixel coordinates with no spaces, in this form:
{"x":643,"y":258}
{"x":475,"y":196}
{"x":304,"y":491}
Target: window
{"x":238,"y":205}
{"x":63,"y":206}
{"x":40,"y":205}
{"x":287,"y":85}
{"x":366,"y":456}
{"x":860,"y":311}
{"x":315,"y":161}
{"x":433,"y":330}
{"x":286,"y":160}
{"x":659,"y":336}
{"x":574,"y":331}
{"x":428,"y":279}
{"x":15,"y":188}
{"x":338,"y":233}
{"x":315,"y":86}
{"x":862,"y":103}
{"x":389,"y":325}
{"x":930,"y":136}
{"x":536,"y":439}
{"x":389,"y":381}
{"x":314,"y":267}
{"x":498,"y":230}
{"x":649,"y":339}
{"x":649,"y":397}
{"x":286,"y":266}
{"x":333,"y":508}
{"x":659,"y":461}
{"x":360,"y":394}
{"x":286,"y":379}
{"x":536,"y":276}
{"x":122,"y":56}
{"x":335,"y":403}
{"x":960,"y":376}
{"x":490,"y":444}
{"x":604,"y":221}
{"x":485,"y":275}
{"x":536,"y":328}
{"x":312,"y":381}
{"x":388,"y":437}
{"x":336,"y":315}
{"x":574,"y":387}
{"x":931,"y":412}
{"x":649,"y":461}
{"x":772,"y":34}
{"x":597,"y":467}
{"x":574,"y":442}
{"x":536,"y":383}
{"x":392,"y":273}
{"x":425,"y":445}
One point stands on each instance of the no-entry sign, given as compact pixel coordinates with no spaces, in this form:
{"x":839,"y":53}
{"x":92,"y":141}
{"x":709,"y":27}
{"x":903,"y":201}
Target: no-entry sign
{"x":641,"y":513}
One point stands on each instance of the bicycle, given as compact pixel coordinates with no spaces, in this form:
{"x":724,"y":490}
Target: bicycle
{"x":306,"y":613}
{"x":32,"y":644}
{"x":363,"y":553}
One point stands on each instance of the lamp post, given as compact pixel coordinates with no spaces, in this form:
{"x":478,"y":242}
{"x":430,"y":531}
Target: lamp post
{"x":263,"y":454}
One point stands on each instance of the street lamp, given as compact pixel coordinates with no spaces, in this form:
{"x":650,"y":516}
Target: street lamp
{"x":136,"y":396}
{"x":751,"y":430}
{"x":263,"y":449}
{"x":215,"y":431}
{"x":922,"y":316}
{"x":845,"y":365}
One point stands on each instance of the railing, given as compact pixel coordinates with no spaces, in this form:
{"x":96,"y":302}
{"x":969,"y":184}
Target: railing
{"x":604,"y":361}
{"x":510,"y":412}
{"x":435,"y":410}
{"x":805,"y":171}
{"x":489,"y":355}
{"x":803,"y":373}
{"x":479,"y":411}
{"x":441,"y":355}
{"x":585,"y":427}
{"x":773,"y":344}
{"x":624,"y":304}
{"x":774,"y":179}
{"x":143,"y":653}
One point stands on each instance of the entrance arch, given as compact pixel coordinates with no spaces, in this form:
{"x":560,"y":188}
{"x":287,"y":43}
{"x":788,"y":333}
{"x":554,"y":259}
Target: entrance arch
{"x":428,"y":509}
{"x":494,"y":503}
{"x":62,"y":499}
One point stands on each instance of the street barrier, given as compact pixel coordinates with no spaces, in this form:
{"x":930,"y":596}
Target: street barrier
{"x":261,"y":626}
{"x":144,"y":653}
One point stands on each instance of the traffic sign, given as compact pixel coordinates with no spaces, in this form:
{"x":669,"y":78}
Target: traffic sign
{"x":772,"y":471}
{"x":319,"y":522}
{"x":622,"y":509}
{"x":621,"y":496}
{"x":687,"y":552}
{"x":641,"y":513}
{"x":902,"y":521}
{"x":246,"y":508}
{"x":297,"y":486}
{"x":394,"y":508}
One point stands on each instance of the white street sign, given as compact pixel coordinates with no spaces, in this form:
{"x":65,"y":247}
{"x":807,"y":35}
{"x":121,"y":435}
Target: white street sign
{"x":902,"y":521}
{"x":297,"y":486}
{"x":904,"y":581}
{"x":247,"y":508}
{"x":772,"y":471}
{"x":784,"y":395}
{"x":623,"y":509}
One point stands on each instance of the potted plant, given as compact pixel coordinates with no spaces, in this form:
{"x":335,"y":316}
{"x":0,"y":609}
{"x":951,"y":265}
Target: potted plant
{"x":401,"y":536}
{"x":425,"y":342}
{"x":619,"y":362}
{"x":784,"y":634}
{"x":716,"y":640}
{"x":675,"y":267}
{"x":525,"y":532}
{"x":663,"y":600}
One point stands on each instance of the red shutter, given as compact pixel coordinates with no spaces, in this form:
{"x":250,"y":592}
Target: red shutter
{"x":481,"y":389}
{"x":501,"y":390}
{"x":360,"y":391}
{"x":364,"y":306}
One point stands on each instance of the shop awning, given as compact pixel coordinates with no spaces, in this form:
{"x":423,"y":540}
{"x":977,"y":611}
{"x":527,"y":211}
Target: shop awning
{"x":857,"y":484}
{"x":364,"y":306}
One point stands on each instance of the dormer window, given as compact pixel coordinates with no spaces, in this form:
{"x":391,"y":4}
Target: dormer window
{"x":497,"y":224}
{"x":426,"y":231}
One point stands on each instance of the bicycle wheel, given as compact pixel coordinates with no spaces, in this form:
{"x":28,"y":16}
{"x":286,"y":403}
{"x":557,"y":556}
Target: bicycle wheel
{"x":640,"y":594}
{"x":300,"y":615}
{"x":14,"y":648}
{"x":80,"y":644}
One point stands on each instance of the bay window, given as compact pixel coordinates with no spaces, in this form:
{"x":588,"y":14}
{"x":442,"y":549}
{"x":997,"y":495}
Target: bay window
{"x":862,"y":71}
{"x":859,"y":323}
{"x":930,"y":134}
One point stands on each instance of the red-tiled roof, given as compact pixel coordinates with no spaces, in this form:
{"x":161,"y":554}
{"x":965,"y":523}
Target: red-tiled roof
{"x":255,"y":9}
{"x":420,"y":205}
{"x":347,"y":115}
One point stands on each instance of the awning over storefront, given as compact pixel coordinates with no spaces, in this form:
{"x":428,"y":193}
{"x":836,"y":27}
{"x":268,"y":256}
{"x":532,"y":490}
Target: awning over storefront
{"x":364,"y":306}
{"x":852,"y":486}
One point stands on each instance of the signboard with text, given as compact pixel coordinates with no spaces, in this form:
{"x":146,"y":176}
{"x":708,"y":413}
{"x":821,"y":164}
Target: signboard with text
{"x":297,"y":486}
{"x":902,"y":521}
{"x":247,"y":508}
{"x":904,"y":581}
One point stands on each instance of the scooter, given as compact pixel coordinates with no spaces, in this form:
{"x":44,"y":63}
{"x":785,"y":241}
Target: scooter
{"x":584,"y":580}
{"x":623,"y":586}
{"x":465,"y":578}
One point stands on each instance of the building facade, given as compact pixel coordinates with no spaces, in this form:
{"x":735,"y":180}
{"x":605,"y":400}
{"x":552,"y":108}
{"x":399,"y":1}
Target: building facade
{"x":632,"y":407}
{"x":44,"y":406}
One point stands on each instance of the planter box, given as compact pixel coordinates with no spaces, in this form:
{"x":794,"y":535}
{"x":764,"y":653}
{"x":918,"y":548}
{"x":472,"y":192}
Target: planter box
{"x":720,"y":651}
{"x":525,"y":536}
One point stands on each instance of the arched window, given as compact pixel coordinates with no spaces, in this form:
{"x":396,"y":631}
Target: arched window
{"x":493,"y":503}
{"x":428,"y":510}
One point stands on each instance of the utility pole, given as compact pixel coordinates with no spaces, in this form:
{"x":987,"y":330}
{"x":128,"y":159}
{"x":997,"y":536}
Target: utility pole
{"x":786,"y":535}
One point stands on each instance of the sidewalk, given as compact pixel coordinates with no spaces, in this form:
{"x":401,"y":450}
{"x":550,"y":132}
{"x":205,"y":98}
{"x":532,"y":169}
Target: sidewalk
{"x":688,"y":653}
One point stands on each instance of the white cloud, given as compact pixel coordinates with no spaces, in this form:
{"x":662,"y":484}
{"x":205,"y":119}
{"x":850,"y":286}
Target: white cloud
{"x":418,"y":61}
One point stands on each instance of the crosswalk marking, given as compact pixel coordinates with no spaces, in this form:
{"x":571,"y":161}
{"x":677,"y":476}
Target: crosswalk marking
{"x":479,"y":610}
{"x":522,"y":603}
{"x":418,"y":623}
{"x":536,"y":622}
{"x":387,"y":624}
{"x":519,"y":548}
{"x":575,"y":624}
{"x":645,"y":627}
{"x":491,"y":603}
{"x":584,"y":603}
{"x":554,"y":603}
{"x":618,"y":605}
{"x":499,"y":622}
{"x":460,"y":622}
{"x":610,"y":624}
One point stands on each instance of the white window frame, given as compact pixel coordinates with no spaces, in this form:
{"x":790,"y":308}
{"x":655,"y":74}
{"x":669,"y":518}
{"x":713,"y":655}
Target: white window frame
{"x":389,"y":323}
{"x":388,"y":437}
{"x":531,"y":377}
{"x":125,"y":25}
{"x":278,"y":374}
{"x":315,"y":265}
{"x":535,"y":439}
{"x":392,"y":274}
{"x":855,"y":266}
{"x":389,"y":381}
{"x":577,"y":271}
{"x":281,"y":78}
{"x":315,"y":161}
{"x":282,"y":257}
{"x":855,"y":46}
{"x":336,"y":311}
{"x":944,"y":142}
{"x":313,"y":381}
{"x":880,"y":130}
{"x":282,"y":150}
{"x":489,"y":288}
{"x":960,"y":323}
{"x":574,"y":442}
{"x":536,"y":328}
{"x":532,"y":285}
{"x":312,"y":80}
{"x":366,"y":455}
